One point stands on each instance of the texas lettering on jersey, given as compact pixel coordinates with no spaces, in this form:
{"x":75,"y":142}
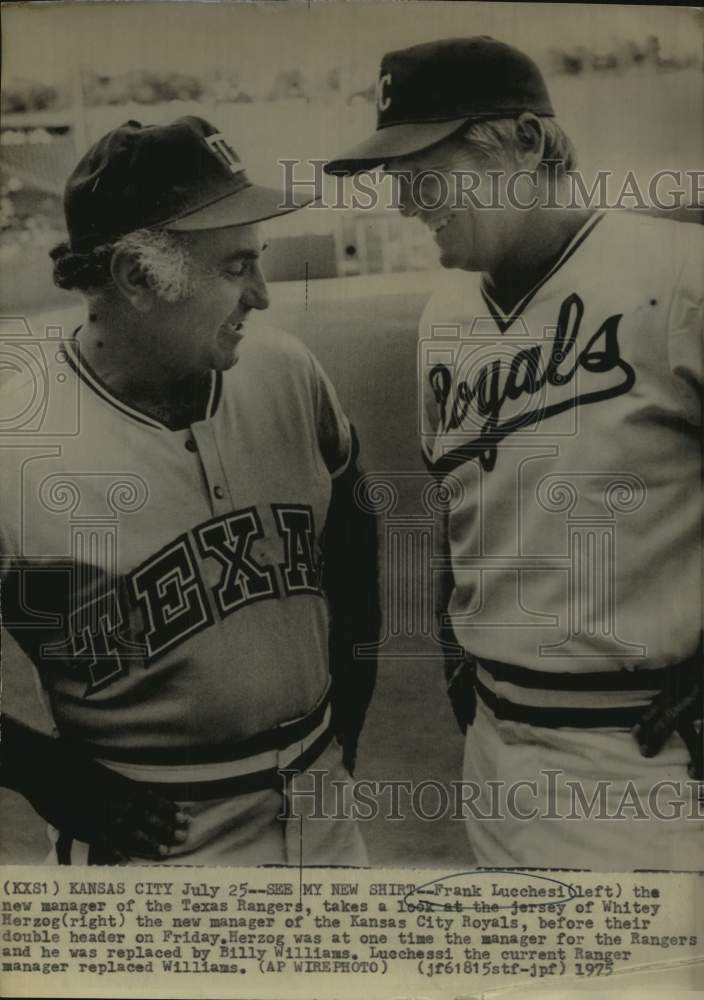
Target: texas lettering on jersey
{"x":481,"y":403}
{"x":165,"y":600}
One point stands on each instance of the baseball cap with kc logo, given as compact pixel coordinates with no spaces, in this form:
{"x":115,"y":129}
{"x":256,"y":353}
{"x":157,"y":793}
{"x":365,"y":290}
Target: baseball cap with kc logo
{"x":426,"y":93}
{"x":182,"y":176}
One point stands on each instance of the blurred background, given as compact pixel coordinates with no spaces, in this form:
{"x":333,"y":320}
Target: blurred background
{"x":297,"y":80}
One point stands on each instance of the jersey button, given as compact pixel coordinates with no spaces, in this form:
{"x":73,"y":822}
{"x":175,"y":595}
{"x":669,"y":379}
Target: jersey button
{"x":218,"y":492}
{"x":191,"y":445}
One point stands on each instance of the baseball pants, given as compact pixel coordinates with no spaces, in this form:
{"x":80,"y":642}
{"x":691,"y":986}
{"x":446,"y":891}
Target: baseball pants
{"x":598,"y":803}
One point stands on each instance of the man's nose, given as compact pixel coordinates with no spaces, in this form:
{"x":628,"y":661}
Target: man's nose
{"x":256,"y":294}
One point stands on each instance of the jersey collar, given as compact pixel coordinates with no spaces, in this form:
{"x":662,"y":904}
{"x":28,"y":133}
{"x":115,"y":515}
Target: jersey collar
{"x":504,"y":320}
{"x":90,"y":378}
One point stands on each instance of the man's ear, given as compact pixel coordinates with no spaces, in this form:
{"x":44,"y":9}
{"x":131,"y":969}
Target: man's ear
{"x":129,"y":278}
{"x":530,"y":140}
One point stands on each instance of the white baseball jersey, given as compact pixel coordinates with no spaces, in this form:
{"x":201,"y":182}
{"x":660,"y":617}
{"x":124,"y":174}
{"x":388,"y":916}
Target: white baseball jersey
{"x":570,"y":432}
{"x":179,"y":607}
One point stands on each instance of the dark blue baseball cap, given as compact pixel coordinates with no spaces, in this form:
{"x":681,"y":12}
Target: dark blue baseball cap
{"x":182,"y":176}
{"x":428,"y":92}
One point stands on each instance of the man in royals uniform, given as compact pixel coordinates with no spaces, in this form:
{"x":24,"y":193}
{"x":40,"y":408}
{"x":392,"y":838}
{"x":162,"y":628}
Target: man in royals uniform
{"x":183,"y":560}
{"x":561,"y":375}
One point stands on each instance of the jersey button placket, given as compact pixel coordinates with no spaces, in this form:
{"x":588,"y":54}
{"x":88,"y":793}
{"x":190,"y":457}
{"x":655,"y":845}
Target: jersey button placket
{"x":215,"y":479}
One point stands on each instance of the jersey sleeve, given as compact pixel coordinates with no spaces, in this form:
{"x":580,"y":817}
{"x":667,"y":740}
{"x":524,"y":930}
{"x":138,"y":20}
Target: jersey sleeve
{"x":686,"y":329}
{"x":333,"y":427}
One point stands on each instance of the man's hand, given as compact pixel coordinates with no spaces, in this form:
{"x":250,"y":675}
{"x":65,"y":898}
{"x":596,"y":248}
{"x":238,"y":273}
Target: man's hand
{"x":676,"y":709}
{"x":118,"y":817}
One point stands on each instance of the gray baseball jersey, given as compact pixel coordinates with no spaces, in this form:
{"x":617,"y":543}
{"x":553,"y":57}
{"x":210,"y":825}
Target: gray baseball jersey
{"x":178,"y":609}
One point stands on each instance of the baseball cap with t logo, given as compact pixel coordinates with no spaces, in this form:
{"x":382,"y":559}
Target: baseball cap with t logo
{"x":183,"y":176}
{"x":428,"y":92}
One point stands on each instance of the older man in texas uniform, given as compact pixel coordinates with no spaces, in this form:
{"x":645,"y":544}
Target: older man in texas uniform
{"x":206,"y":647}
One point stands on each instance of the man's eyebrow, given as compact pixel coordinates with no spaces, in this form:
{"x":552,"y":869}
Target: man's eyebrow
{"x":245,"y":254}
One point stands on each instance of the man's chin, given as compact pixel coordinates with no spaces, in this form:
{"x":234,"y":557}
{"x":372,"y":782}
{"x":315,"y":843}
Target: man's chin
{"x":227,"y":354}
{"x":451,"y":258}
{"x":226,"y":360}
